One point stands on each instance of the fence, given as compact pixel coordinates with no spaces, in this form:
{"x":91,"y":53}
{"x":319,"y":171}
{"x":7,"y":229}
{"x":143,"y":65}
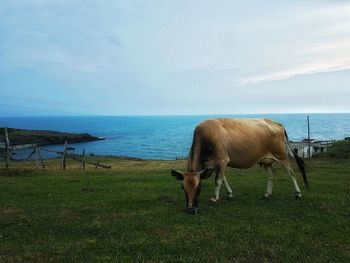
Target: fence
{"x":7,"y":151}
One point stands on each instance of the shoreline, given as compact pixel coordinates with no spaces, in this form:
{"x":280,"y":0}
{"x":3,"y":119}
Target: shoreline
{"x":45,"y":137}
{"x":116,"y":157}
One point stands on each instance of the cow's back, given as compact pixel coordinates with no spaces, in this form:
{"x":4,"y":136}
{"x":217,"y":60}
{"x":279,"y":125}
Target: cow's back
{"x":239,"y":142}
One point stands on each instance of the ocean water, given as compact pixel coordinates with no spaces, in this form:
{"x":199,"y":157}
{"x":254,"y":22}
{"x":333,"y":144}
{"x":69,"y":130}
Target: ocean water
{"x":165,"y":137}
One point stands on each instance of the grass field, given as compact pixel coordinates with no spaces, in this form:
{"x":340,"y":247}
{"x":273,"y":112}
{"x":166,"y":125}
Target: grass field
{"x":135,"y":213}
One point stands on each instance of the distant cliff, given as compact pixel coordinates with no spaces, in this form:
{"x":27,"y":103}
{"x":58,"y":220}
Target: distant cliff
{"x":43,"y":137}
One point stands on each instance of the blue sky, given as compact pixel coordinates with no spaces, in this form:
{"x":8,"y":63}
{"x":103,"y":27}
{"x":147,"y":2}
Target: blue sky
{"x":173,"y":57}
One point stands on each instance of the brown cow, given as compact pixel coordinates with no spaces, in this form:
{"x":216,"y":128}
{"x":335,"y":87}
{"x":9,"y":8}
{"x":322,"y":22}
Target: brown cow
{"x":237,"y":143}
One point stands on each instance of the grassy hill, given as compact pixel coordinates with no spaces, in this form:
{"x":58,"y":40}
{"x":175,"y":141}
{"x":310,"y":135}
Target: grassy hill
{"x":135,"y":213}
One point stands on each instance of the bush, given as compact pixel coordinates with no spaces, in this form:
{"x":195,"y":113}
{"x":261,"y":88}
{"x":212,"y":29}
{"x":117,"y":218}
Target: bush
{"x":340,"y":149}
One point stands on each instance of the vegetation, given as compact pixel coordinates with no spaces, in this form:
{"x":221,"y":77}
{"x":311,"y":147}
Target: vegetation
{"x":135,"y":213}
{"x":341,"y":149}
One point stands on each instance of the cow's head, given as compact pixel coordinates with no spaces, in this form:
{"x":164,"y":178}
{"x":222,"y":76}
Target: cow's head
{"x":191,"y":184}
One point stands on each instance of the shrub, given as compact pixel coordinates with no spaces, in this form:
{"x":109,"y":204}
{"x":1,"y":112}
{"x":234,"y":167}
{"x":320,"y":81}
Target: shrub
{"x":340,"y":149}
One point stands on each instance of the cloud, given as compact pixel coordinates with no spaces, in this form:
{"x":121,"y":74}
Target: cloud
{"x":317,"y":41}
{"x":135,"y":53}
{"x":326,"y":66}
{"x":63,"y":36}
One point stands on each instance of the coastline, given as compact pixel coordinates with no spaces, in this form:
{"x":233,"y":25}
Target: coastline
{"x":45,"y":137}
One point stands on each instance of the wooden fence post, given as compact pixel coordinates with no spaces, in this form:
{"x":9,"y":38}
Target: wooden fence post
{"x":82,"y":164}
{"x":64,"y":155}
{"x":7,"y":143}
{"x":36,"y":158}
{"x":41,"y":159}
{"x":308,"y":137}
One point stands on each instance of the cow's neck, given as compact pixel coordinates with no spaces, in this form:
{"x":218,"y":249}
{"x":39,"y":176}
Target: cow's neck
{"x":193,"y":166}
{"x":194,"y":159}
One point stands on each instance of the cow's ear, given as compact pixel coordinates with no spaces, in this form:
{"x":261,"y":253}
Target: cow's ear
{"x":177,"y":174}
{"x":206,"y":173}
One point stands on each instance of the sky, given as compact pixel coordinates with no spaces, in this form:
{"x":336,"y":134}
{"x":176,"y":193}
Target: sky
{"x":163,"y":57}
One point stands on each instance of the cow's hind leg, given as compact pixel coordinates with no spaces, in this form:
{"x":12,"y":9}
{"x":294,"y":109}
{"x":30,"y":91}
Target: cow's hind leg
{"x":220,"y":174}
{"x":287,"y":167}
{"x":271,"y":177}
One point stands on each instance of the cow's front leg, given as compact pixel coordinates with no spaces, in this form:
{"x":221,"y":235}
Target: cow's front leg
{"x":228,"y":188}
{"x":218,"y":183}
{"x":220,"y":174}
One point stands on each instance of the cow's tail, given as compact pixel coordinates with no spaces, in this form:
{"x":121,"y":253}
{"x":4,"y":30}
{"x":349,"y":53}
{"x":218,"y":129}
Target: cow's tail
{"x":299,"y":161}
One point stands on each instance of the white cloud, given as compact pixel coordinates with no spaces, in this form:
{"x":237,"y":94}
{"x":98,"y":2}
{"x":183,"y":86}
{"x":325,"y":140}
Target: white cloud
{"x":321,"y":44}
{"x":179,"y":52}
{"x":326,"y":66}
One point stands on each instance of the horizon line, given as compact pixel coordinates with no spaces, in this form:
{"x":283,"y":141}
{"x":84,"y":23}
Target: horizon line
{"x":175,"y":115}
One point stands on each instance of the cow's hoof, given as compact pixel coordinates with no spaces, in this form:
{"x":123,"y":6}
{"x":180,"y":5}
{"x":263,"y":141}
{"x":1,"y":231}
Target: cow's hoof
{"x":229,"y":196}
{"x":298,"y":197}
{"x":213,"y":200}
{"x":266,"y":196}
{"x":192,"y":210}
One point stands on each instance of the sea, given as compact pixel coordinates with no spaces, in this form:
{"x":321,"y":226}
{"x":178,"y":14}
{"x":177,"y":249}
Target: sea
{"x":164,"y":137}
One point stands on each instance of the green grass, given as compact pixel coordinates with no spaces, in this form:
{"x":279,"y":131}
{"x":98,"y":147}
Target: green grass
{"x":135,"y":213}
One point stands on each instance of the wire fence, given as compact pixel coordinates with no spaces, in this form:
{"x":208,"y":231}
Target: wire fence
{"x":6,"y":152}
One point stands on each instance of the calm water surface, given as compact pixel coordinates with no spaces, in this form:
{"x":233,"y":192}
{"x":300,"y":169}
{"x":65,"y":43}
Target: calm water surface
{"x":166,"y":137}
